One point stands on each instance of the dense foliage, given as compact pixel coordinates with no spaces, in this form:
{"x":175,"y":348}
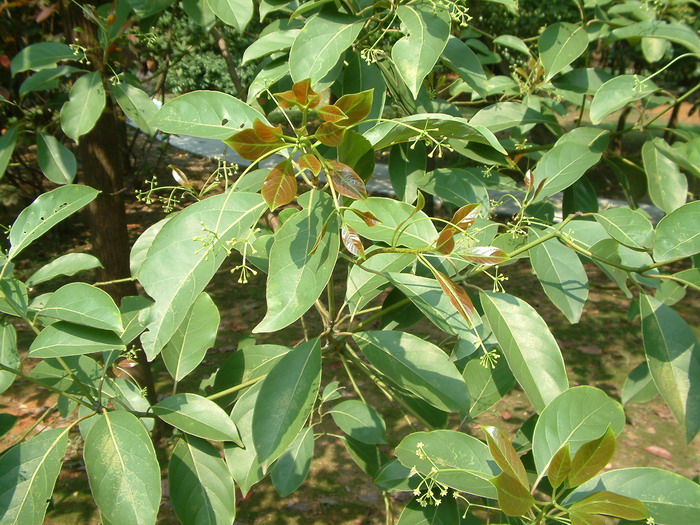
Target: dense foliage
{"x":461,"y":113}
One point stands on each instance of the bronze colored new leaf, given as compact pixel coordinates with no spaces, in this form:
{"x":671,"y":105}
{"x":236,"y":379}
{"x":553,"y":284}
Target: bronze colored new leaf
{"x":310,"y":162}
{"x":513,"y":497}
{"x":301,"y":95}
{"x":352,"y":242}
{"x":559,"y":467}
{"x":445,"y":242}
{"x":249,"y":145}
{"x":267,"y":133}
{"x":330,"y":134}
{"x":591,"y":458}
{"x":332,"y":114}
{"x":280,"y":185}
{"x":458,"y":297}
{"x":485,"y":255}
{"x":464,"y":217}
{"x":369,"y":217}
{"x":356,"y":106}
{"x":346,"y":181}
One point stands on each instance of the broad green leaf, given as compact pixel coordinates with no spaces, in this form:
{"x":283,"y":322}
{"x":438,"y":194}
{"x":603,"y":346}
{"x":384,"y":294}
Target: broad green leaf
{"x":86,"y":370}
{"x":270,"y":72}
{"x":68,"y":265}
{"x":673,"y":355}
{"x":7,"y":423}
{"x":591,"y":458}
{"x":460,"y":58}
{"x":677,"y":234}
{"x":198,"y":416}
{"x":616,"y":93}
{"x":512,"y":42}
{"x":55,"y":160}
{"x":136,"y":104}
{"x":7,"y":146}
{"x":292,"y":467}
{"x":302,"y":259}
{"x":360,"y":421}
{"x":364,"y":285}
{"x":236,"y":13}
{"x":460,"y":186}
{"x":398,"y":223}
{"x":639,"y":386}
{"x":683,"y":154}
{"x":577,"y":416}
{"x":268,"y":44}
{"x":367,"y":457}
{"x":393,"y":476}
{"x":285,"y":400}
{"x":559,"y":45}
{"x":514,"y":498}
{"x":123,"y":469}
{"x":559,"y":467}
{"x":611,"y":504}
{"x":139,"y":250}
{"x":505,"y":115}
{"x":669,"y":498}
{"x":206,"y":114}
{"x":13,"y":297}
{"x":487,"y":385}
{"x":83,"y":304}
{"x":199,"y":11}
{"x":466,"y":463}
{"x":417,"y":366}
{"x":320,"y":45}
{"x":505,"y":455}
{"x":627,"y":226}
{"x":201,"y":486}
{"x":130,"y":309}
{"x":45,"y":212}
{"x":39,"y":56}
{"x":561,"y":275}
{"x":65,"y":339}
{"x":133,"y":397}
{"x":193,"y":338}
{"x":406,"y":168}
{"x":667,"y":186}
{"x":677,"y":33}
{"x":572,"y":155}
{"x":28,"y":473}
{"x":529,"y":347}
{"x":584,"y":80}
{"x":446,"y":513}
{"x":8,"y":353}
{"x":45,"y":79}
{"x":84,"y":107}
{"x":146,"y":8}
{"x":426,"y":27}
{"x":186,"y":254}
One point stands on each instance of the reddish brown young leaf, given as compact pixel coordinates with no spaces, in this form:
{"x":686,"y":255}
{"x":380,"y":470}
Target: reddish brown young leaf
{"x":280,"y":185}
{"x":308,"y":161}
{"x":267,"y":133}
{"x":369,"y":218}
{"x":331,"y":114}
{"x":485,"y":255}
{"x":346,"y":181}
{"x":356,"y":105}
{"x":529,"y":180}
{"x":250,"y":146}
{"x":539,"y":187}
{"x":305,"y":96}
{"x":286,"y":99}
{"x":352,"y":242}
{"x":464,"y":217}
{"x":458,"y":297}
{"x":445,"y":241}
{"x":330,"y":134}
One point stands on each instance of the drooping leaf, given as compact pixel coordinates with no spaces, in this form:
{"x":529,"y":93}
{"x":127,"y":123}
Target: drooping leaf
{"x":84,"y":107}
{"x":286,"y":398}
{"x":505,"y":455}
{"x":677,"y":234}
{"x":345,"y":181}
{"x":667,"y":186}
{"x":360,"y":421}
{"x":352,"y":242}
{"x":514,"y":498}
{"x":280,"y":185}
{"x":55,"y":160}
{"x":416,"y":365}
{"x":406,"y":167}
{"x":197,"y":415}
{"x":136,"y":104}
{"x":611,"y":504}
{"x":8,"y":353}
{"x":458,"y":297}
{"x":7,"y":145}
{"x":40,"y":56}
{"x":616,"y":93}
{"x":292,"y":467}
{"x":62,"y":339}
{"x":529,"y":347}
{"x":483,"y":255}
{"x":559,"y":45}
{"x":28,"y":473}
{"x":302,"y":259}
{"x":83,"y":304}
{"x":591,"y":458}
{"x":123,"y":469}
{"x":460,"y":58}
{"x":45,"y":79}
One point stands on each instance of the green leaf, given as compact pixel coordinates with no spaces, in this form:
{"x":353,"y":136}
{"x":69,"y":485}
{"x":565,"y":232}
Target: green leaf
{"x":201,"y":486}
{"x":572,"y":155}
{"x":667,"y":186}
{"x":463,"y":462}
{"x":7,"y":423}
{"x":616,"y":93}
{"x":393,"y":476}
{"x":460,"y":58}
{"x":529,"y":347}
{"x":190,"y":342}
{"x":406,"y":168}
{"x":45,"y":212}
{"x":268,"y":44}
{"x":7,"y":146}
{"x":677,"y":234}
{"x":611,"y":504}
{"x":512,"y":42}
{"x":426,"y":27}
{"x":673,"y":355}
{"x":84,"y":107}
{"x":447,"y":513}
{"x":46,"y":79}
{"x":130,"y":309}
{"x":669,"y":498}
{"x":416,"y":230}
{"x":68,"y":265}
{"x":206,"y":114}
{"x":363,"y":285}
{"x":13,"y":297}
{"x":199,"y":11}
{"x":681,"y":34}
{"x":136,"y":104}
{"x":561,"y":275}
{"x":286,"y":398}
{"x":55,"y":160}
{"x":639,"y":386}
{"x":460,"y":186}
{"x":505,"y":456}
{"x":587,"y":413}
{"x":292,"y":467}
{"x":559,"y":45}
{"x":146,"y":8}
{"x":505,"y":115}
{"x":39,"y":56}
{"x":320,"y":45}
{"x":559,"y":467}
{"x":84,"y":369}
{"x":236,"y":13}
{"x":198,"y":416}
{"x":64,"y":339}
{"x":28,"y":473}
{"x":486,"y":385}
{"x":84,"y":304}
{"x":186,"y":254}
{"x":367,"y":457}
{"x":628,"y":227}
{"x":591,"y":458}
{"x":360,"y":421}
{"x":123,"y":469}
{"x":417,"y":366}
{"x":302,"y":259}
{"x":514,"y":498}
{"x":584,"y":80}
{"x":8,"y":353}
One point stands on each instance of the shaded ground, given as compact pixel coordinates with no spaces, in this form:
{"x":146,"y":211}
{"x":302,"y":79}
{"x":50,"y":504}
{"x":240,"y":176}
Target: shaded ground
{"x":600,"y":351}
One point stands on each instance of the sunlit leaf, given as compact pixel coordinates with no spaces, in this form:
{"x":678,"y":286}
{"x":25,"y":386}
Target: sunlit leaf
{"x":280,"y":185}
{"x":346,"y":181}
{"x":611,"y":504}
{"x":559,"y":467}
{"x":591,"y":458}
{"x":352,"y":242}
{"x":514,"y":498}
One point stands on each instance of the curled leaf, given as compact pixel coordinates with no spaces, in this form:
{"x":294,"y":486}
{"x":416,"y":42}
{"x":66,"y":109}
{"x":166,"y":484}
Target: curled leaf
{"x":346,"y":181}
{"x":369,"y":217}
{"x":280,"y":185}
{"x":464,"y":217}
{"x":445,"y":242}
{"x":352,"y":242}
{"x":458,"y":297}
{"x":180,"y":177}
